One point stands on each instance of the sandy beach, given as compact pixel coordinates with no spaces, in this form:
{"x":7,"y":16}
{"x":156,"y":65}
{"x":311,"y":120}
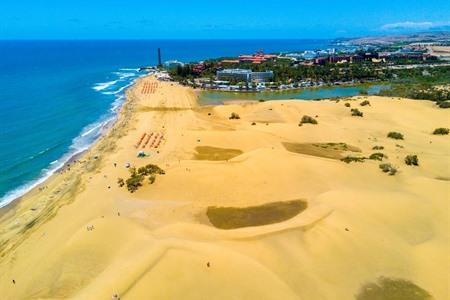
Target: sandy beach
{"x":343,"y":225}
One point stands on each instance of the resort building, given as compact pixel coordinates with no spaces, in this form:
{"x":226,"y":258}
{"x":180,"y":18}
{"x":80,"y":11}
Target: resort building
{"x":262,"y":76}
{"x":244,"y":75}
{"x":173,"y":64}
{"x":256,"y":58}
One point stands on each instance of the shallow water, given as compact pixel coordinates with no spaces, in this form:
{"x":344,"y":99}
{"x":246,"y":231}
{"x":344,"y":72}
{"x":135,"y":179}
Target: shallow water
{"x":218,"y":97}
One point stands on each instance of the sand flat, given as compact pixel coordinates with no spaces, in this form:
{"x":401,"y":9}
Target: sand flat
{"x":360,"y":224}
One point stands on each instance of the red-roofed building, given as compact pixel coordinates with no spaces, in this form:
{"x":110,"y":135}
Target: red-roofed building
{"x":198,"y":68}
{"x":256,"y":58}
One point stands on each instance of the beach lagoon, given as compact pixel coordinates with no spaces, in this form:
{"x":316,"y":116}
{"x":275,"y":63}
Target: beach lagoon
{"x":220,"y":97}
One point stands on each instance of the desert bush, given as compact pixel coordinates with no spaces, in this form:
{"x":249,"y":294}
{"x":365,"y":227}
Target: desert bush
{"x":120,"y":182}
{"x":377,"y":148}
{"x":253,"y":123}
{"x":356,"y":112}
{"x":347,"y":104}
{"x":377,"y":156}
{"x":132,"y":170}
{"x":444,"y":104}
{"x":365,"y":103}
{"x":441,"y":131}
{"x":150,"y":169}
{"x":134,"y":182}
{"x":395,"y":135}
{"x":388,"y":168}
{"x":137,"y":177}
{"x":234,"y":116}
{"x":350,"y":159}
{"x":412,"y":160}
{"x":307,"y":120}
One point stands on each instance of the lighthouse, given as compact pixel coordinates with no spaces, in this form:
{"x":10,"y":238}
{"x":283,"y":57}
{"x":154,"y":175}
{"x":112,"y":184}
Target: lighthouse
{"x":159,"y":57}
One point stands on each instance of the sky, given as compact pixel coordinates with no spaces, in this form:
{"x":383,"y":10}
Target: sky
{"x":206,"y":19}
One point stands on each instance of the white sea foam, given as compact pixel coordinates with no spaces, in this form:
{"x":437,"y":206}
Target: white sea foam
{"x":83,"y":141}
{"x":119,"y":90}
{"x":128,"y":69}
{"x":104,"y":85}
{"x":123,"y":75}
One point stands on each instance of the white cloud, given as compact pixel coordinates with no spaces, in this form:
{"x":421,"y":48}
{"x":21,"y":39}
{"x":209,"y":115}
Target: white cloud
{"x":408,"y":25}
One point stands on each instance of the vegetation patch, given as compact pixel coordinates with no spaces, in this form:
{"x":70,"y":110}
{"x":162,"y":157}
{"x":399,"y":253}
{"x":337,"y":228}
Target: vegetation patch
{"x":377,"y":148}
{"x":234,"y":116}
{"x":388,"y":168}
{"x":356,"y":112}
{"x":270,"y":213}
{"x":307,"y":120}
{"x":377,"y":156}
{"x":326,"y":150}
{"x":120,"y":182}
{"x":215,"y":154}
{"x":395,"y":135}
{"x":412,"y":160}
{"x":350,"y":159}
{"x":365,"y":103}
{"x":441,"y":131}
{"x":137,"y":177}
{"x":347,"y":104}
{"x":150,"y":170}
{"x":444,"y":104}
{"x":134,"y":182}
{"x":392,"y":289}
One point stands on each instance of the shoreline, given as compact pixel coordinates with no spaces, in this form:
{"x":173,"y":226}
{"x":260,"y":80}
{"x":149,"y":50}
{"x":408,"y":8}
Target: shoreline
{"x":59,"y":182}
{"x":37,"y":183}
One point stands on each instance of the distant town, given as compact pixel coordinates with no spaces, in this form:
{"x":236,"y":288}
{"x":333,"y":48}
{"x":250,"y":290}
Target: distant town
{"x":347,"y":63}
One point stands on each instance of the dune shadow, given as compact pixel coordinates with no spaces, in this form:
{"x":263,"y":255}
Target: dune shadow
{"x":215,"y":154}
{"x":270,"y":213}
{"x":326,"y":150}
{"x":392,"y":289}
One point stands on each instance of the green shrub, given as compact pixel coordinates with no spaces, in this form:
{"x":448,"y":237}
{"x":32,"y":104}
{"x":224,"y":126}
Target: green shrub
{"x":120,"y":182}
{"x":444,"y":104}
{"x":356,"y":112}
{"x":388,"y":168}
{"x":307,"y":120}
{"x":150,"y":169}
{"x":137,"y":177}
{"x":395,"y":135}
{"x":412,"y":160}
{"x":377,"y":156}
{"x":347,"y":104}
{"x":234,"y":116}
{"x":134,"y":182}
{"x":365,"y":103}
{"x":441,"y":131}
{"x":378,"y":148}
{"x":350,"y":159}
{"x":132,"y":170}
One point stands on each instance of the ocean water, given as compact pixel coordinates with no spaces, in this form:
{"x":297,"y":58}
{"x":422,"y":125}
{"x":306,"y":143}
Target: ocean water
{"x":57,"y":96}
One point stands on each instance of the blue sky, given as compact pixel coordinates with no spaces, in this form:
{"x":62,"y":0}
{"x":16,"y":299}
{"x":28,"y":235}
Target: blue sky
{"x":139,"y":19}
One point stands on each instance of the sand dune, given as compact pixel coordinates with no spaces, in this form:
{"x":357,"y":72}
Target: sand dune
{"x":84,"y":237}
